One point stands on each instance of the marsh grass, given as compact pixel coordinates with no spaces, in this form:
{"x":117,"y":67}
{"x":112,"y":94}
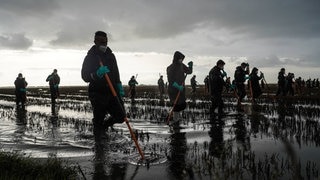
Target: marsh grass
{"x":15,"y":166}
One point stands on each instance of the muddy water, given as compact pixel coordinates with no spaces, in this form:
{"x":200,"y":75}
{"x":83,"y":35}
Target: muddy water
{"x":274,"y":139}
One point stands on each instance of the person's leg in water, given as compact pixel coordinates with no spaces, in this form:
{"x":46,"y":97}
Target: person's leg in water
{"x":116,"y":110}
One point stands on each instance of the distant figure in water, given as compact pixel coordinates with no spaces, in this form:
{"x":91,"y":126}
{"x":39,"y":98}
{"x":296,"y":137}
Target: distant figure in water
{"x":20,"y":91}
{"x":132,"y":90}
{"x":161,"y":86}
{"x":176,"y":73}
{"x":282,"y":81}
{"x":99,"y":61}
{"x":54,"y":81}
{"x":193,"y":83}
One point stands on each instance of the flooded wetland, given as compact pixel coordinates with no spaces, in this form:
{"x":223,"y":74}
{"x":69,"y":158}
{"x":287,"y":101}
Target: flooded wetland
{"x":276,"y":138}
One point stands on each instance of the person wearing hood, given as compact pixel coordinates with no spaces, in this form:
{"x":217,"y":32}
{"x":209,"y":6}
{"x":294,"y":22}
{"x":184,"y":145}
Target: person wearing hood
{"x":240,"y":77}
{"x":255,"y":85}
{"x":100,"y":94}
{"x":176,"y":74}
{"x":20,"y":90}
{"x":54,"y":81}
{"x":216,"y":85}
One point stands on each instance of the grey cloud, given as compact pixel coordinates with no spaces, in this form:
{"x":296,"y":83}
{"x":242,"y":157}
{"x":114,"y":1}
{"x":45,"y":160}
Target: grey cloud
{"x":15,"y":41}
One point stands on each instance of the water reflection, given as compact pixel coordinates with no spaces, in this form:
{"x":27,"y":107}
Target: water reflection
{"x":177,"y":156}
{"x":21,"y":122}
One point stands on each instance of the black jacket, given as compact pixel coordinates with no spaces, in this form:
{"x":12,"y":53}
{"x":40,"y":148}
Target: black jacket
{"x":216,"y":82}
{"x":20,"y":83}
{"x":176,"y":71}
{"x":91,"y":64}
{"x":240,"y":75}
{"x":53,"y":79}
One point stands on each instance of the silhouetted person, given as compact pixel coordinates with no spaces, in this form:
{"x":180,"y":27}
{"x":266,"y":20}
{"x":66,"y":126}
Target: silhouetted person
{"x":161,"y":88}
{"x":54,"y":81}
{"x":216,"y":84}
{"x":176,"y":73}
{"x":193,"y":83}
{"x":240,"y":76}
{"x":100,"y":95}
{"x":206,"y":84}
{"x":281,"y":83}
{"x":132,"y":87}
{"x":255,"y":85}
{"x":290,"y":83}
{"x":20,"y":91}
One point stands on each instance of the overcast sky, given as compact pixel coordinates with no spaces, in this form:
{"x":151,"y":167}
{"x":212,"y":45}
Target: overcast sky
{"x":268,"y":34}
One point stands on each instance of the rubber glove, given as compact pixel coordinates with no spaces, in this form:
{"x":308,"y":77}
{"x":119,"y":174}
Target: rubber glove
{"x":120,"y":89}
{"x":247,"y":77}
{"x":102,"y":70}
{"x":224,"y":74}
{"x":23,"y":89}
{"x":232,"y":86}
{"x":190,"y":64}
{"x":176,"y":85}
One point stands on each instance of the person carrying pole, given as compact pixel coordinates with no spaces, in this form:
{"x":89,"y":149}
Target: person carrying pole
{"x":100,"y":95}
{"x":54,"y":81}
{"x":216,"y":84}
{"x":20,"y":91}
{"x":100,"y":69}
{"x":176,"y":73}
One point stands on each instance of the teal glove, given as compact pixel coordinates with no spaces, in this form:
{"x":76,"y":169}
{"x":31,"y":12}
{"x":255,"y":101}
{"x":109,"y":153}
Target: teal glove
{"x":247,"y":77}
{"x":190,"y":64}
{"x":179,"y":87}
{"x":120,"y":89}
{"x":224,"y":74}
{"x":232,"y":86}
{"x":102,"y":71}
{"x":23,"y":90}
{"x":56,"y":86}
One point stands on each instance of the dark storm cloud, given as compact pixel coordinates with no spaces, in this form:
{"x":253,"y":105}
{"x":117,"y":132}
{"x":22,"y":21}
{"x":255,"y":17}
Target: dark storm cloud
{"x":286,"y":28}
{"x":15,"y":41}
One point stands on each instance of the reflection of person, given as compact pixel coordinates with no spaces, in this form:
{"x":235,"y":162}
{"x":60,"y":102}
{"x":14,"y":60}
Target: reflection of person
{"x":216,"y":84}
{"x":176,"y":73}
{"x":177,"y":155}
{"x":54,"y":81}
{"x":20,"y":90}
{"x":216,"y":134}
{"x":100,"y":95}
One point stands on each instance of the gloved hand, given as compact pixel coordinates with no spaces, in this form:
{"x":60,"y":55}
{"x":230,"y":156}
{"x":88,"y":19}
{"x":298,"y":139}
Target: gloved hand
{"x":232,"y":86}
{"x":120,"y":89}
{"x":247,"y":77}
{"x":224,"y":74}
{"x":56,"y":86}
{"x":23,"y":90}
{"x":179,"y":87}
{"x":190,"y":64}
{"x":102,"y":70}
{"x":261,"y":75}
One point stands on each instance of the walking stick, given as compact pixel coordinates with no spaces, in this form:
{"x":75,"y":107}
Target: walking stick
{"x":175,"y":102}
{"x":125,"y":118}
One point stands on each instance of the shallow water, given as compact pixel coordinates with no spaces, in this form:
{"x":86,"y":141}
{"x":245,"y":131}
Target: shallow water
{"x":274,"y":139}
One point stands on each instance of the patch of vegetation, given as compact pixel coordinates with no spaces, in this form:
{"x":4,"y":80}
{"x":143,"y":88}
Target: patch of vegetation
{"x":15,"y":166}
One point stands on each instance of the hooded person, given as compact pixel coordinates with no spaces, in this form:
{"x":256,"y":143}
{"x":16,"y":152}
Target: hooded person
{"x":54,"y":81}
{"x":176,"y":73}
{"x":100,"y":95}
{"x":254,"y":78}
